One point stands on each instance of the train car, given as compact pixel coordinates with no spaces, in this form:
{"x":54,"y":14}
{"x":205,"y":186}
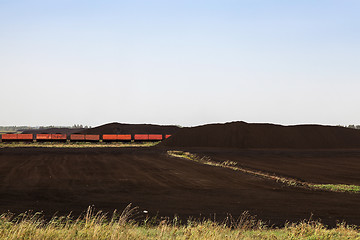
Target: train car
{"x":17,"y":137}
{"x":167,"y":136}
{"x":9,"y":137}
{"x":124,"y":137}
{"x":116,"y":137}
{"x":77,"y":137}
{"x":109,"y":137}
{"x":59,"y":137}
{"x":25,"y":137}
{"x":141,"y":137}
{"x":43,"y":137}
{"x":155,"y":137}
{"x":92,"y":137}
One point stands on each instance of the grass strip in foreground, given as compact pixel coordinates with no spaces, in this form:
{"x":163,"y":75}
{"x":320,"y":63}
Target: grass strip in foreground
{"x":285,"y":180}
{"x":97,"y":225}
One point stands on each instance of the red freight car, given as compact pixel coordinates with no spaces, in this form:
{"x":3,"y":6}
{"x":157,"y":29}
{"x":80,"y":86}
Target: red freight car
{"x":141,"y":137}
{"x":167,"y":136}
{"x":109,"y":137}
{"x":155,"y":137}
{"x":9,"y":137}
{"x":43,"y":137}
{"x":124,"y":137}
{"x":77,"y":137}
{"x":17,"y":137}
{"x":117,"y":137}
{"x":50,"y":137}
{"x":26,"y":137}
{"x":58,"y":137}
{"x":92,"y":137}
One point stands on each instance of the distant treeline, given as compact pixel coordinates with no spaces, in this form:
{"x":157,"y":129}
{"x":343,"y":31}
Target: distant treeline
{"x":351,"y":126}
{"x":4,"y":129}
{"x":14,"y":128}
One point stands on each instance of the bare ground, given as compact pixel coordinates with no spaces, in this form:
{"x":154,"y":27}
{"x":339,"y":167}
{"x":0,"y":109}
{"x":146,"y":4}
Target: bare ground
{"x":63,"y":180}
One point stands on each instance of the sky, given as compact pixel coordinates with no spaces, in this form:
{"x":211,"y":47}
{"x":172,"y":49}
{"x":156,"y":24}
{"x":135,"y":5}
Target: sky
{"x":188,"y":62}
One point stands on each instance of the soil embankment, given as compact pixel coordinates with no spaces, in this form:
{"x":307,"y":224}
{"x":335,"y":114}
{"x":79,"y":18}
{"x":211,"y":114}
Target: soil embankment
{"x":267,"y":136}
{"x":123,"y":128}
{"x":53,"y":131}
{"x":112,"y":128}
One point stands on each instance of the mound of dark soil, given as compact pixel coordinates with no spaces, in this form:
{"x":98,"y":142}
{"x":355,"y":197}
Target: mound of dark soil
{"x":122,"y":128}
{"x":53,"y":130}
{"x":255,"y":135}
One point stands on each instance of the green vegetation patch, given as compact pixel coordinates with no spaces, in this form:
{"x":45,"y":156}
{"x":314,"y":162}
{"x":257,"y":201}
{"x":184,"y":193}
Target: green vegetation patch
{"x":337,"y":187}
{"x":284,"y":180}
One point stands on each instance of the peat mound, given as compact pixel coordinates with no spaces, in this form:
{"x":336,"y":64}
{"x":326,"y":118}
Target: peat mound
{"x":123,"y":128}
{"x":259,"y":135}
{"x":53,"y":131}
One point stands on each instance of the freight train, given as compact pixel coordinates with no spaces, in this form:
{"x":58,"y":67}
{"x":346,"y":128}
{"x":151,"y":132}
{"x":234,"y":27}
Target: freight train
{"x":82,"y":137}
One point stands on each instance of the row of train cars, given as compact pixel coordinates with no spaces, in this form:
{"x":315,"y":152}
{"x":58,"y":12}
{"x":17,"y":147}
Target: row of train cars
{"x":82,"y":137}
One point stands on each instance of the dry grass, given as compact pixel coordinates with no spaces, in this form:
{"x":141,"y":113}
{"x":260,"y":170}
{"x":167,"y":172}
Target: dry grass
{"x":284,"y":180}
{"x":97,"y":225}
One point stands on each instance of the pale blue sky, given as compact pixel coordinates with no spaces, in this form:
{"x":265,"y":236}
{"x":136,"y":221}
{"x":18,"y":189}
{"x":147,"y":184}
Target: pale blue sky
{"x":179,"y":62}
